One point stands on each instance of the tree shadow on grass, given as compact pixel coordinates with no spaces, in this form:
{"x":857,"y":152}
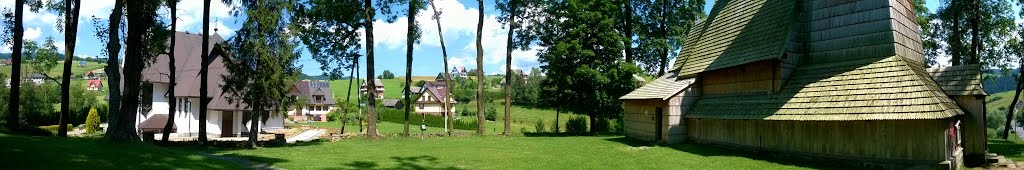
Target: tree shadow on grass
{"x":27,"y":152}
{"x":715,"y":150}
{"x":413,"y":162}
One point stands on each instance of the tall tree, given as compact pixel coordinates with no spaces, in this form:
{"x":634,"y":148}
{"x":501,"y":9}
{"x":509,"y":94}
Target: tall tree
{"x":508,"y":63}
{"x":329,"y":30}
{"x":116,"y":130}
{"x":145,"y":40}
{"x":261,"y":61}
{"x":172,"y":101}
{"x":628,"y":30}
{"x":583,"y":54}
{"x":412,"y":37}
{"x":70,"y":11}
{"x":480,"y":71}
{"x":449,"y":117}
{"x":662,"y":29}
{"x":17,"y":40}
{"x":344,"y":118}
{"x":204,"y":100}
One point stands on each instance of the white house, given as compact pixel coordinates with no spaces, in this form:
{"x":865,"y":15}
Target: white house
{"x":459,"y":71}
{"x":319,"y":101}
{"x":223,"y":119}
{"x":431,"y":97}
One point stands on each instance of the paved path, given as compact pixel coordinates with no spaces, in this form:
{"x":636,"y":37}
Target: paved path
{"x":307,"y":136}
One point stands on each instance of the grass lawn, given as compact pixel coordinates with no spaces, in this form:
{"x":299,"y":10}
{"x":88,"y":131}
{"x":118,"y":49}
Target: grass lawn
{"x":1001,"y":99}
{"x":509,"y":153}
{"x":23,"y":152}
{"x":1011,"y":148}
{"x":522,"y":117}
{"x":385,"y":128}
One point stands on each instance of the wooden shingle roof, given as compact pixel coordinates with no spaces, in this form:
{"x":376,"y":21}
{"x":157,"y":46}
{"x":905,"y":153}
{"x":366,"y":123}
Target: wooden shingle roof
{"x":962,"y":80}
{"x":662,"y":88}
{"x":868,"y":89}
{"x":738,"y":32}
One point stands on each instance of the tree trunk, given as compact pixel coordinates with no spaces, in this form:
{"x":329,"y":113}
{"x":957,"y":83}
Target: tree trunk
{"x":133,"y":66}
{"x":114,"y":75}
{"x":359,"y":99}
{"x":172,"y":100}
{"x":955,"y":40}
{"x":629,"y":31}
{"x":204,"y":100}
{"x":558,"y":113}
{"x":975,"y":37}
{"x":1013,"y":105}
{"x":71,"y":9}
{"x":254,"y":128}
{"x":480,"y":71}
{"x":663,"y":59}
{"x":408,"y":63}
{"x":449,"y":117}
{"x":508,"y":66}
{"x":13,"y":121}
{"x":344,"y":119}
{"x":371,"y":102}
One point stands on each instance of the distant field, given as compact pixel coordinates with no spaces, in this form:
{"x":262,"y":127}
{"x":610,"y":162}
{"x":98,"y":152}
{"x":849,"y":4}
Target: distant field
{"x":58,"y":70}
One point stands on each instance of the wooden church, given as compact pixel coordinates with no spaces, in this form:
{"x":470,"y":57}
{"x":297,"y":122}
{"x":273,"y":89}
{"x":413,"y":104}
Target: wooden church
{"x":823,"y":78}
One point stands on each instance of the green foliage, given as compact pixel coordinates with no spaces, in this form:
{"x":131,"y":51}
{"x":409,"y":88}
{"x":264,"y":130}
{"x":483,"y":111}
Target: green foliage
{"x":526,"y":92}
{"x":539,"y":127}
{"x":576,"y":125}
{"x":660,"y":28}
{"x":38,"y":104}
{"x":463,"y":89}
{"x":398,"y":116}
{"x":53,"y":128}
{"x":463,"y":111}
{"x":996,"y":26}
{"x":387,"y":75}
{"x":92,"y":123}
{"x":492,"y":114}
{"x":42,"y":58}
{"x":262,"y":59}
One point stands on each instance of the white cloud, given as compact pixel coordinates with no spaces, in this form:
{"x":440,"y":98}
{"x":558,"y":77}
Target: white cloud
{"x":222,"y":29}
{"x":190,"y":13}
{"x":97,"y":8}
{"x":32,"y":33}
{"x":6,"y":49}
{"x":59,"y":45}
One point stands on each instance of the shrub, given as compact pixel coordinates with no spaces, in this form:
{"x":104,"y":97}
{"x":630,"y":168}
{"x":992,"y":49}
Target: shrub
{"x":492,"y":114}
{"x":601,"y":125}
{"x":92,"y":122}
{"x":54,"y":128}
{"x":539,"y":126}
{"x":398,"y":116}
{"x":466,"y":112}
{"x":576,"y":125}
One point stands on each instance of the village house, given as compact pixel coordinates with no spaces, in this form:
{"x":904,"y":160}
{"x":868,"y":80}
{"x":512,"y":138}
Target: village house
{"x":319,"y":100}
{"x":415,"y":91}
{"x":431,"y":97}
{"x":5,"y":62}
{"x":224,"y":119}
{"x":459,"y":71}
{"x":393,"y":103}
{"x":96,"y":74}
{"x":36,"y":78}
{"x":376,"y":82}
{"x":94,"y":85}
{"x":829,"y":78}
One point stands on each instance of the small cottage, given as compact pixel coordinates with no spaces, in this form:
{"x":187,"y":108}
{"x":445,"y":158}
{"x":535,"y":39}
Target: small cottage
{"x":379,"y":86}
{"x":842,"y":79}
{"x":94,"y":85}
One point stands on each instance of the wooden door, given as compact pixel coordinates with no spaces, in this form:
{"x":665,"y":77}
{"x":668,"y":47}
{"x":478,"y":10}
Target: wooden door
{"x":227,"y":124}
{"x":658,"y":119}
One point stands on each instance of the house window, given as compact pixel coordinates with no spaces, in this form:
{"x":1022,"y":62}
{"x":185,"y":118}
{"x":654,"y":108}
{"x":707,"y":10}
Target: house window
{"x":421,"y":106}
{"x":310,"y":108}
{"x":318,"y":98}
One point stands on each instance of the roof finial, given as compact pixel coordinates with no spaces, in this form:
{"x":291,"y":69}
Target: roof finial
{"x":215,"y":26}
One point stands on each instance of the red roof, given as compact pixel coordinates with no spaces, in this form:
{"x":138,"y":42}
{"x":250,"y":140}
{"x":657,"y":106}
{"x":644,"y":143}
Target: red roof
{"x":94,"y":82}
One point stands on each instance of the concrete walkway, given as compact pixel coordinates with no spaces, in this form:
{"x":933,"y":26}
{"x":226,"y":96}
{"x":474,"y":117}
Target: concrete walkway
{"x":307,"y":136}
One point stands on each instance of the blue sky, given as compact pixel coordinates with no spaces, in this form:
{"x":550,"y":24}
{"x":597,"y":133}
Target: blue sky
{"x":459,"y":19}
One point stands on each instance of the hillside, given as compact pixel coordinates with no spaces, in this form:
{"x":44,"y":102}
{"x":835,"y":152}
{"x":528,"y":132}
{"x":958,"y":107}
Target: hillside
{"x":59,"y":69}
